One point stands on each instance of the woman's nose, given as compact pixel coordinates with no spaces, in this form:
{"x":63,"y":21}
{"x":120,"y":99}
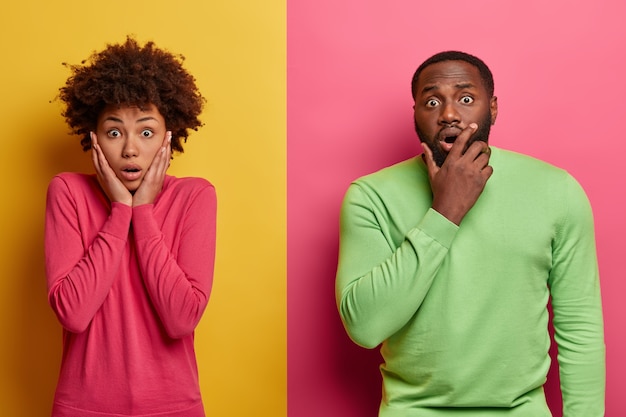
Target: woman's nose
{"x":130,"y":148}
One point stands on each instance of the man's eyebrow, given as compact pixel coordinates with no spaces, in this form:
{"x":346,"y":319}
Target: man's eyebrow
{"x":429,"y":88}
{"x":459,"y":86}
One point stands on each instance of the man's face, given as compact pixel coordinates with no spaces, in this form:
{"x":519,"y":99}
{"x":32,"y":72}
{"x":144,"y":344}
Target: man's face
{"x":449,"y":96}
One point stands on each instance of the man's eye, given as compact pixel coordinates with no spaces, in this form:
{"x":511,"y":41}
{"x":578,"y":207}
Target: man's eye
{"x":467,"y":100}
{"x":114,"y":133}
{"x":432,"y":103}
{"x":147,"y":133}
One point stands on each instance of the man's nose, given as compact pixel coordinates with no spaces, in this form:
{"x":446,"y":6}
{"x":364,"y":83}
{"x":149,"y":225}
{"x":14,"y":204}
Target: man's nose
{"x":449,"y":114}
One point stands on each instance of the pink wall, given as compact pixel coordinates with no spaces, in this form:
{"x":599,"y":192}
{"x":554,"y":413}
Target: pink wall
{"x":559,"y":69}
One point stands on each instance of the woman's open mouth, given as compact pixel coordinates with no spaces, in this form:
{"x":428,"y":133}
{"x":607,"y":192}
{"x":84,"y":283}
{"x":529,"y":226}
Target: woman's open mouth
{"x":131,"y":173}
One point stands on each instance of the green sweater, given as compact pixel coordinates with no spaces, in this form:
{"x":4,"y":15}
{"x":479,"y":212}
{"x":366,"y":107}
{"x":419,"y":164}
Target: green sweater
{"x":461,"y":311}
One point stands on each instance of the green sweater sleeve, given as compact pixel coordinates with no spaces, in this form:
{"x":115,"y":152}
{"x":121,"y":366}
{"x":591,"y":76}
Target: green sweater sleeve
{"x":380,"y":285}
{"x":576,"y":302}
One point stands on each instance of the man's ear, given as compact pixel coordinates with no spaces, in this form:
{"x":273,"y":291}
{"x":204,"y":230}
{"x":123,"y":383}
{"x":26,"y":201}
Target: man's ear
{"x":493,"y":108}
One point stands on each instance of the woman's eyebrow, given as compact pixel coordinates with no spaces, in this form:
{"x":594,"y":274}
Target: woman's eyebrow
{"x":145,"y":119}
{"x":142,"y":119}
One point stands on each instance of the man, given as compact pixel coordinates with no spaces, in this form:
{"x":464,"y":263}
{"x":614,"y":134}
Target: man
{"x":449,"y":260}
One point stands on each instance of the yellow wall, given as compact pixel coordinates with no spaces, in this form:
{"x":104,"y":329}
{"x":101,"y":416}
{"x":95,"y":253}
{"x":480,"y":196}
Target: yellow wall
{"x":236,"y":50}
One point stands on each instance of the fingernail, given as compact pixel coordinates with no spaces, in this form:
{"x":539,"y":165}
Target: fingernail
{"x":473,"y":125}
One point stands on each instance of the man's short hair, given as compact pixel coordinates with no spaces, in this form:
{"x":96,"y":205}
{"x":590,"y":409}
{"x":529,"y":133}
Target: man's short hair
{"x":483,"y":69}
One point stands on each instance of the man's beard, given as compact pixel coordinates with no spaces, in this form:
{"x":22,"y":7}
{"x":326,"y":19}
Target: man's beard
{"x":439,"y":156}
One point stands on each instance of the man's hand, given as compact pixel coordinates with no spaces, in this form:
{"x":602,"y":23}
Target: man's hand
{"x":115,"y":190}
{"x":461,"y":179}
{"x":152,"y":183}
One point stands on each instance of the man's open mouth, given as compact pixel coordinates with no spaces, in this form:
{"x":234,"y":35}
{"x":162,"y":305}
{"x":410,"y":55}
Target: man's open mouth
{"x":449,"y":134}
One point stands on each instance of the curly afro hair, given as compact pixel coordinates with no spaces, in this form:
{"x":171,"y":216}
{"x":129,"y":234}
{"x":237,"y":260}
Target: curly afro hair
{"x":129,"y":74}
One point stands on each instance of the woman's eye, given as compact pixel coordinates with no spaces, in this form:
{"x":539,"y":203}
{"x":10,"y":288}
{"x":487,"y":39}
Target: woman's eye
{"x":467,"y":100}
{"x":147,"y":133}
{"x":432,"y":103}
{"x":114,"y":133}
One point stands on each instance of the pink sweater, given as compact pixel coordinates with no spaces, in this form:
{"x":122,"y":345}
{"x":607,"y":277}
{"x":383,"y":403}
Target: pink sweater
{"x":129,"y":286}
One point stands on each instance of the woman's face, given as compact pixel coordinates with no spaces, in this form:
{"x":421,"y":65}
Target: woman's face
{"x":130,"y":137}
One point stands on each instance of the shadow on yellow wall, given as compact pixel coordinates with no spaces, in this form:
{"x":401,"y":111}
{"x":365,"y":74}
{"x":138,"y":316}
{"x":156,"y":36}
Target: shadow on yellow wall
{"x":33,"y":351}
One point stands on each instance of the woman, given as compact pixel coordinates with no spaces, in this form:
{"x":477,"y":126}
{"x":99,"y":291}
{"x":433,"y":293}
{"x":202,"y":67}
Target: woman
{"x":129,"y":250}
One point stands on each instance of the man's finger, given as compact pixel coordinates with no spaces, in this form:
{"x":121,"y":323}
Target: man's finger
{"x":477,"y":149}
{"x":460,"y":144}
{"x":429,"y":160}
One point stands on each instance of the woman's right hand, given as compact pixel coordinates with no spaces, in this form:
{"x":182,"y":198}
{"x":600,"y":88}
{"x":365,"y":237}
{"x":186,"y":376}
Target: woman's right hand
{"x":112,"y":186}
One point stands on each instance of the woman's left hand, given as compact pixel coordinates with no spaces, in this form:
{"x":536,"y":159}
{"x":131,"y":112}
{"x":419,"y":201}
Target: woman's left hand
{"x":152,"y":183}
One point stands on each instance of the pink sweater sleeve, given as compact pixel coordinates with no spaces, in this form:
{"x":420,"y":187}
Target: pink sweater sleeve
{"x":80,"y":269}
{"x":178,"y":283}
